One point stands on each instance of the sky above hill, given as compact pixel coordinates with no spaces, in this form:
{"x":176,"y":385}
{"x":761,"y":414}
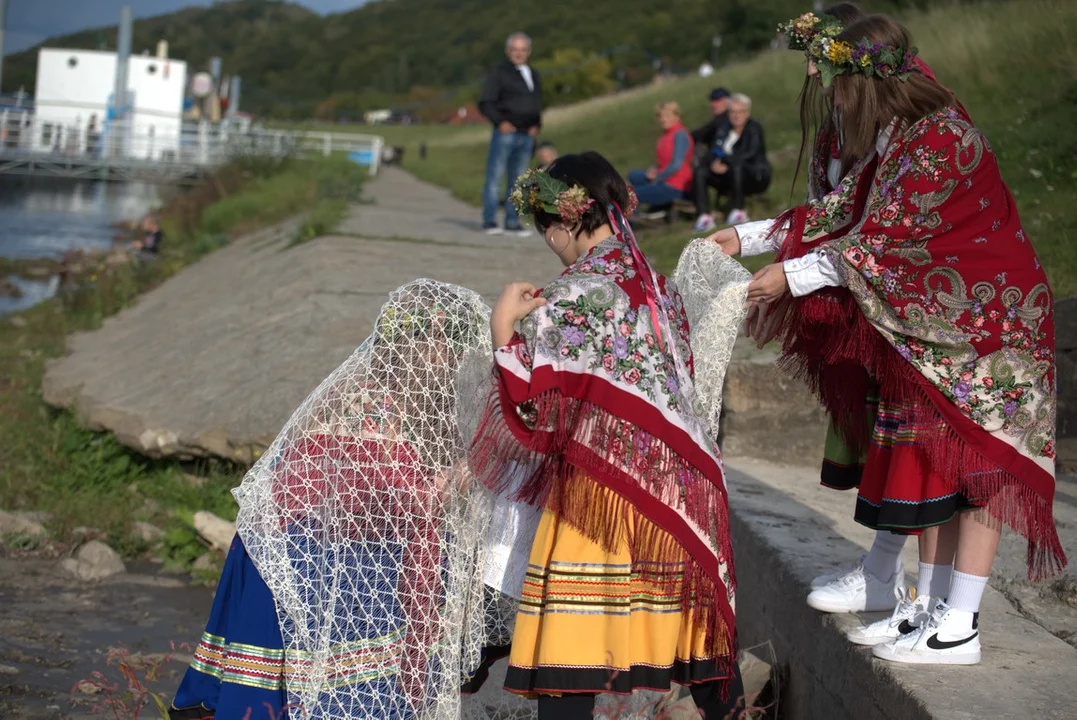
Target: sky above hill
{"x":31,"y":21}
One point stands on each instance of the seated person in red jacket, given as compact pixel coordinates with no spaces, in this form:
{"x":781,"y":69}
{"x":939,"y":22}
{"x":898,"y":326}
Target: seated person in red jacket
{"x":668,"y":180}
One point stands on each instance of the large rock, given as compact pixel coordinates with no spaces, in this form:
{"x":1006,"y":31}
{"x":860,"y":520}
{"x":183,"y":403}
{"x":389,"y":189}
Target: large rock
{"x":214,"y":530}
{"x":147,"y":532}
{"x":94,"y":561}
{"x":25,"y":524}
{"x":766,"y":413}
{"x":215,"y":360}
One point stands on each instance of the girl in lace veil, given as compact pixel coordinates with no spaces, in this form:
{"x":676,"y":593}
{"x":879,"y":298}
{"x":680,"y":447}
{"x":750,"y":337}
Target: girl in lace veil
{"x":354,"y":585}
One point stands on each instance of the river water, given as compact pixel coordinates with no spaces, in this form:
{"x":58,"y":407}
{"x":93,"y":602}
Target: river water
{"x":43,"y":218}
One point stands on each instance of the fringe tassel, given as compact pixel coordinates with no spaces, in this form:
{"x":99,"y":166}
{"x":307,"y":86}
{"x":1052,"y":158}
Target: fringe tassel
{"x":1003,"y":495}
{"x":575,"y":454}
{"x":829,"y":344}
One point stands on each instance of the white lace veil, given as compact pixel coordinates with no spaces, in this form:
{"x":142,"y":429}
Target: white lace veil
{"x":363,"y":522}
{"x":714,"y":288}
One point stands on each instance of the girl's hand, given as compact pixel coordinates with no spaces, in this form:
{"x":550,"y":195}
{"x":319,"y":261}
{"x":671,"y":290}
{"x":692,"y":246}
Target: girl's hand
{"x":768,"y":285}
{"x":517,"y":301}
{"x":764,"y":321}
{"x":728,"y":240}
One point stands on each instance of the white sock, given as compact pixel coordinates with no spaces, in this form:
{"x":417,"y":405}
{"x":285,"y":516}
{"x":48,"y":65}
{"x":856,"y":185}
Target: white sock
{"x":966,"y":591}
{"x":884,"y":558}
{"x":933,"y":580}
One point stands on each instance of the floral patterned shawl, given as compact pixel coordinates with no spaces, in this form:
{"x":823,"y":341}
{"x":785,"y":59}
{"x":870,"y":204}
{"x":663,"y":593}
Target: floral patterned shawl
{"x":594,"y":396}
{"x":947,"y":308}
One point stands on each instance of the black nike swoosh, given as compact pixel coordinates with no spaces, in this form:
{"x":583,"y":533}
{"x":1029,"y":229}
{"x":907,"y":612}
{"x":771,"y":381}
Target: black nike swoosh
{"x":934,"y":643}
{"x":905,"y":628}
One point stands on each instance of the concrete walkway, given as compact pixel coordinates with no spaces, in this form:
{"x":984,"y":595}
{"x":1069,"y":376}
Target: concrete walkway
{"x":215,"y":360}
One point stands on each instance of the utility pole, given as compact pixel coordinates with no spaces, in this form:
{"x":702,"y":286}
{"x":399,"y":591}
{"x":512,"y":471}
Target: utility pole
{"x":123,"y":54}
{"x":3,"y":27}
{"x":120,"y":100}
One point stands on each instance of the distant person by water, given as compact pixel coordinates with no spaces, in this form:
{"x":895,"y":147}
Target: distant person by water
{"x":93,"y":136}
{"x":512,"y":102}
{"x":150,"y":242}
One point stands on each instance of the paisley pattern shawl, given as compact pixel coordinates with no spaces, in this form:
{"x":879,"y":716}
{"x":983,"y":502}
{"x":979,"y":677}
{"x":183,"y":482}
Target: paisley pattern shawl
{"x":949,"y":309}
{"x":588,"y":397}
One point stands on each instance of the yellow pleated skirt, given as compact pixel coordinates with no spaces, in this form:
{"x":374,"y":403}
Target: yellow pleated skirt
{"x":592,"y":620}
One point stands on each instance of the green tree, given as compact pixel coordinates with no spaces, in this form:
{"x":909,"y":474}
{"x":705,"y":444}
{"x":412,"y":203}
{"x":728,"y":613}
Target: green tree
{"x":570,"y":75}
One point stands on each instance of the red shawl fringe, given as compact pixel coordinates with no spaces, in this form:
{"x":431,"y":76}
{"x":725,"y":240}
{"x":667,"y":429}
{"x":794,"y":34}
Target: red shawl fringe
{"x":578,"y":481}
{"x":829,"y":343}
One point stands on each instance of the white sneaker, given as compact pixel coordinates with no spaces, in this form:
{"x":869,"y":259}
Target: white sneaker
{"x":705,"y":223}
{"x":827,"y":578}
{"x":492,"y":229}
{"x":949,"y":637}
{"x":908,"y":617}
{"x":518,"y":231}
{"x":858,"y":591}
{"x":736,"y":217}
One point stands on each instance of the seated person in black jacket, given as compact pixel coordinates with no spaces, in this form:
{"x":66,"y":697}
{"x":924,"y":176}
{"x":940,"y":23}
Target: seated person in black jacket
{"x":738,"y":166}
{"x":716,"y":128}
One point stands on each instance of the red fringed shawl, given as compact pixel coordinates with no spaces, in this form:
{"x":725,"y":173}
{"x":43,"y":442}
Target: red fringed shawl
{"x":947,"y":309}
{"x":590,"y":398}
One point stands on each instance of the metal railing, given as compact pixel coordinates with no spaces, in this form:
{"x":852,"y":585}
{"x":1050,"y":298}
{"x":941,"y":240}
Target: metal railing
{"x":160,"y":150}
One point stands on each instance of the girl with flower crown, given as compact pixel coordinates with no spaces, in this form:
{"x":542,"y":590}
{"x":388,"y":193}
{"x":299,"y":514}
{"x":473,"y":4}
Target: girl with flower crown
{"x":841,"y":467}
{"x":914,"y":278}
{"x":882,"y":566}
{"x":630,"y":581}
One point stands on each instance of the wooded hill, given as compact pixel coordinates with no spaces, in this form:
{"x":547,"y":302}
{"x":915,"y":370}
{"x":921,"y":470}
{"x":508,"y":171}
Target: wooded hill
{"x":295,"y":63}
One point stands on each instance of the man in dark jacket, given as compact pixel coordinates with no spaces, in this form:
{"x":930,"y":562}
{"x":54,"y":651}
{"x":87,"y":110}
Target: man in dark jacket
{"x":714,"y":131}
{"x":738,"y":166}
{"x":512,"y":101}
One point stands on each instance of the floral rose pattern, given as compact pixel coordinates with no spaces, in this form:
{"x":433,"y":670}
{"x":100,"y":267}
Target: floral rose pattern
{"x":603,"y":329}
{"x":984,"y":339}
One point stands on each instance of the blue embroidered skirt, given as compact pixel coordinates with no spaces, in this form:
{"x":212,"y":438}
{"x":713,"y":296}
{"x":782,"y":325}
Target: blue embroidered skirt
{"x":239,"y":663}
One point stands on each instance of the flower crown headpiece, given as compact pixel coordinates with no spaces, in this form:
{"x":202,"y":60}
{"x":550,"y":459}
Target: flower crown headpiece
{"x":396,"y":323}
{"x":835,"y":57}
{"x":818,"y":37}
{"x":801,"y":31}
{"x":537,"y":190}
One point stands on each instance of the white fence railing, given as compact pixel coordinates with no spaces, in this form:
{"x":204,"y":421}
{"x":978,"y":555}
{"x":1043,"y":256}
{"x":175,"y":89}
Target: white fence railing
{"x":184,"y":146}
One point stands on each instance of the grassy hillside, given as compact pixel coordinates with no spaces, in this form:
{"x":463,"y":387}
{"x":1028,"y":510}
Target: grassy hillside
{"x":1010,"y":63}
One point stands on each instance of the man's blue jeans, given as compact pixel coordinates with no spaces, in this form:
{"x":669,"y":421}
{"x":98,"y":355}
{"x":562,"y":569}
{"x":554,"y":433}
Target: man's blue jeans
{"x":510,"y":155}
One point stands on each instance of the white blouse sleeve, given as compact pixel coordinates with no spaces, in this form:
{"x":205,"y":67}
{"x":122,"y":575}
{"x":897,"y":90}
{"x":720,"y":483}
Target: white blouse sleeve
{"x":812,"y":272}
{"x":755,"y":237}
